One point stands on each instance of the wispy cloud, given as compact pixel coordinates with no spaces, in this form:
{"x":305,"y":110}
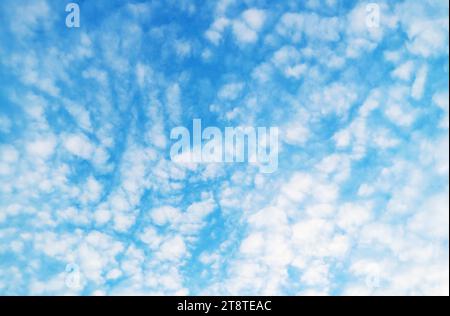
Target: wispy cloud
{"x":358,"y":205}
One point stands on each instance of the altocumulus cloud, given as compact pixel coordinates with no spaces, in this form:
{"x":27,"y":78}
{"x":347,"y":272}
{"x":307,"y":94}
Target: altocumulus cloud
{"x":358,"y":204}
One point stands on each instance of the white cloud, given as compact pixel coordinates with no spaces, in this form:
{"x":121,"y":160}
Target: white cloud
{"x":97,"y":74}
{"x":404,"y":71}
{"x":246,"y":28}
{"x":426,"y":25}
{"x":432,"y":218}
{"x":253,"y":244}
{"x":9,"y":153}
{"x":231,"y":91}
{"x":150,"y":236}
{"x":335,"y":98}
{"x":352,"y":216}
{"x":80,"y":115}
{"x":183,"y":48}
{"x":42,"y":147}
{"x":172,"y":249}
{"x":92,"y":191}
{"x":214,"y":33}
{"x":316,"y":274}
{"x":243,"y":33}
{"x":194,"y":217}
{"x":165,"y":215}
{"x":313,"y":26}
{"x":288,"y":60}
{"x":173,"y":95}
{"x":360,"y":37}
{"x":286,"y":56}
{"x":5,"y":124}
{"x":124,"y":220}
{"x":327,"y":222}
{"x":400,"y":115}
{"x":26,"y":24}
{"x":102,"y":216}
{"x":290,"y":26}
{"x":383,"y":139}
{"x":263,"y":72}
{"x":254,"y":18}
{"x":78,"y":145}
{"x":296,"y":135}
{"x":441,"y":100}
{"x":397,"y":107}
{"x":419,"y":83}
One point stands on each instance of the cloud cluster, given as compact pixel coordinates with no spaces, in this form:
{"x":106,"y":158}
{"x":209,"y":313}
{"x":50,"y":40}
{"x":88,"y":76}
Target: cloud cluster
{"x":359,"y":204}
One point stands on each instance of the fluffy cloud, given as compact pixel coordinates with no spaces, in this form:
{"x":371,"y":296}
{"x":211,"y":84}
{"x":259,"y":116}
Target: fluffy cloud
{"x":78,"y":145}
{"x":90,"y":202}
{"x":247,"y":27}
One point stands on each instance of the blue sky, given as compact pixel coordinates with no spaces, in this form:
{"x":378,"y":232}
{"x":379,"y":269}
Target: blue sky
{"x":91,"y":203}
